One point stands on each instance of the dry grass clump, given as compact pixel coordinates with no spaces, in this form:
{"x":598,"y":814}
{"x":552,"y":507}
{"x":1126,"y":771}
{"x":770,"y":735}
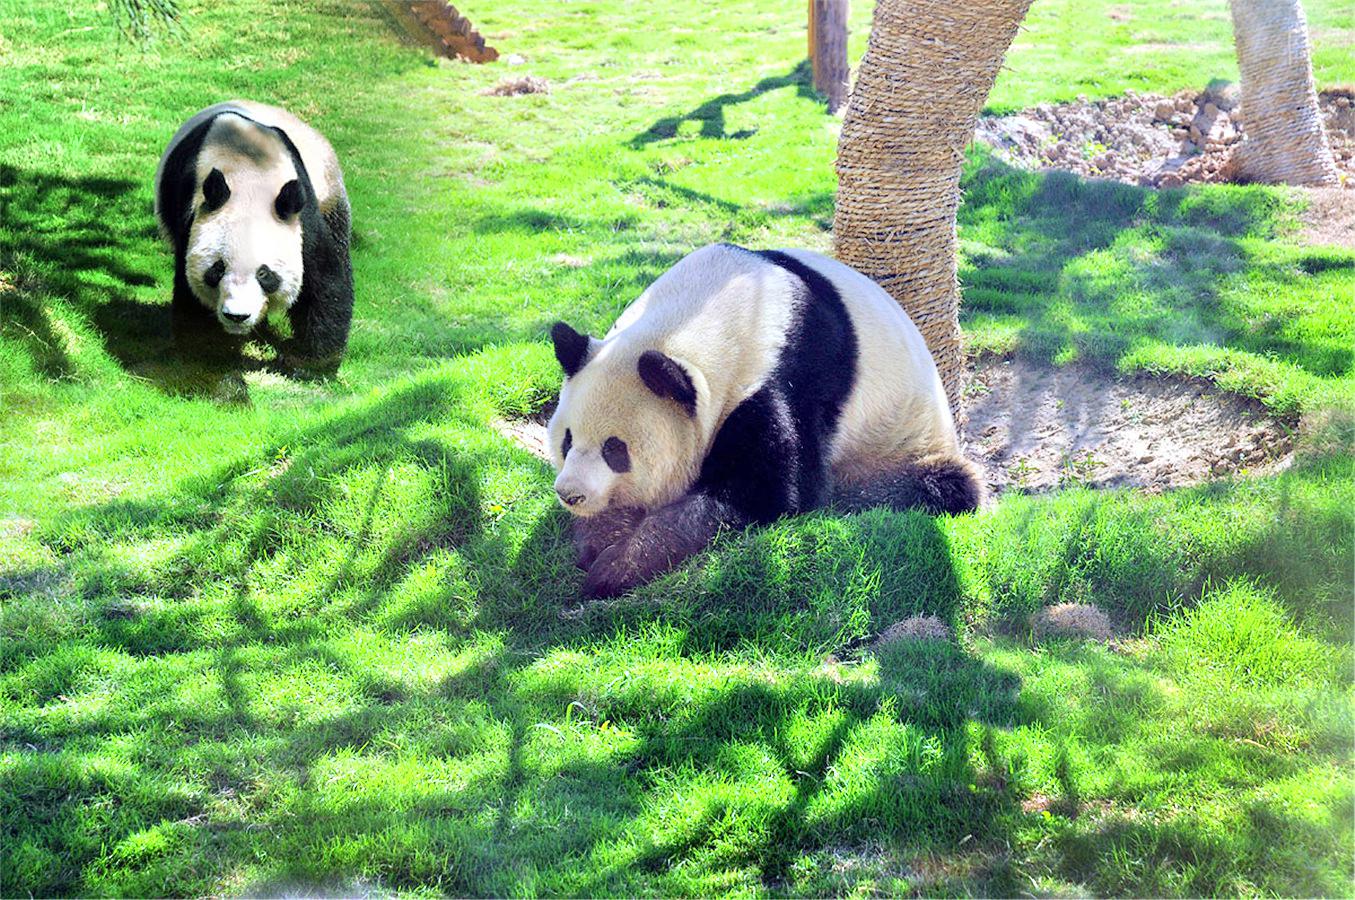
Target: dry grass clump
{"x":1071,"y":620}
{"x":916,"y":628}
{"x":523,"y":84}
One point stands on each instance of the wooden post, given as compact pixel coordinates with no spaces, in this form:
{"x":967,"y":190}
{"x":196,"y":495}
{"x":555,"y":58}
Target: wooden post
{"x":828,"y":50}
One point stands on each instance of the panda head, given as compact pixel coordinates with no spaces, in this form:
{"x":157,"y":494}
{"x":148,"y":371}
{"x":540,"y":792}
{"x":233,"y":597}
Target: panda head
{"x":244,"y":254}
{"x":625,"y":432}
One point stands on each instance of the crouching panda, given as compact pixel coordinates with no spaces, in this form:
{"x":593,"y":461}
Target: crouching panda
{"x":740,"y":387}
{"x":252,"y":201}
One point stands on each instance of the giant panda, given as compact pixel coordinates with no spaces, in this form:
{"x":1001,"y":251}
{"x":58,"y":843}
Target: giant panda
{"x":252,"y":201}
{"x":740,"y":387}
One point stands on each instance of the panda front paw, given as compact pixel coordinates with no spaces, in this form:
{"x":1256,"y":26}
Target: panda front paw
{"x":596,"y":534}
{"x":616,"y":569}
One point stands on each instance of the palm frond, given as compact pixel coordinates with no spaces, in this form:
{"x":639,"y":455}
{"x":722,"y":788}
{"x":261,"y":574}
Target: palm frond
{"x":139,"y":20}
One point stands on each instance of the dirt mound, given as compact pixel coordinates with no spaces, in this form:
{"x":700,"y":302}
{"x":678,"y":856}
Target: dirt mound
{"x":1033,"y":428}
{"x":1149,"y":139}
{"x":514,"y":87}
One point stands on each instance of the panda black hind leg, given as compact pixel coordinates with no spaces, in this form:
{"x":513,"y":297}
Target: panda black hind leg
{"x":937,"y":484}
{"x":597,"y":533}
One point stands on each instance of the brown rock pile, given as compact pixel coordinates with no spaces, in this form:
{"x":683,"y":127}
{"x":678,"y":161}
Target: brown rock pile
{"x":452,"y":33}
{"x":1149,"y":139}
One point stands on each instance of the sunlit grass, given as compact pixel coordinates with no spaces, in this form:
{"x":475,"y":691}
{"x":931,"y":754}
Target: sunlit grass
{"x":331,"y":640}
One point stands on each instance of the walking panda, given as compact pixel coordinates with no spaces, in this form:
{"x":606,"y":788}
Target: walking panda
{"x":739,"y":387}
{"x":252,"y":201}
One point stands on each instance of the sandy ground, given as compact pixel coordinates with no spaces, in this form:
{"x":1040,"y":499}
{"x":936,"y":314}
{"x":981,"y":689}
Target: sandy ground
{"x":1033,"y":428}
{"x":1330,"y":217}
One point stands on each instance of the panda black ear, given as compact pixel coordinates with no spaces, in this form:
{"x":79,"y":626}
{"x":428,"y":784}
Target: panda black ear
{"x":665,"y":377}
{"x":215,"y":191}
{"x":290,"y":200}
{"x":571,"y":348}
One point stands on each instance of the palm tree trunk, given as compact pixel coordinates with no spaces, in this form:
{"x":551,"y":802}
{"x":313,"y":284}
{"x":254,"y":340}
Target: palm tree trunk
{"x":1286,"y":142}
{"x":927,"y":71}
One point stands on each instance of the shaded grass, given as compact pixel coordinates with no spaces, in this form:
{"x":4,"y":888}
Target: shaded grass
{"x":1064,"y":269}
{"x":329,"y":639}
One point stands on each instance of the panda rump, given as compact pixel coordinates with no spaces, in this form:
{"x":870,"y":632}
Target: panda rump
{"x":747,"y":386}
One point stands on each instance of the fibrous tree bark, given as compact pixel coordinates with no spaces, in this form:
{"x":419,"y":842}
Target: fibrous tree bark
{"x":928,"y":68}
{"x":1286,"y":142}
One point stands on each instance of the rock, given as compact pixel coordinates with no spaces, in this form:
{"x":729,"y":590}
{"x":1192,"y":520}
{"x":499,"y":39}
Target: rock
{"x":1196,"y":135}
{"x":515,"y":59}
{"x":1163,"y":111}
{"x":1170,"y":180}
{"x":1211,"y":111}
{"x":1225,"y":96}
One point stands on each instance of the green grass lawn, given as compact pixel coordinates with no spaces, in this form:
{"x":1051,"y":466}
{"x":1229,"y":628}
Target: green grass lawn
{"x":329,"y":639}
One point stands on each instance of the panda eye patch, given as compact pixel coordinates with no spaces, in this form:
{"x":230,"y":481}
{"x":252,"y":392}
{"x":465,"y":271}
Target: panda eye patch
{"x":268,"y":279}
{"x":616,"y":454}
{"x":567,"y":443}
{"x":214,"y":273}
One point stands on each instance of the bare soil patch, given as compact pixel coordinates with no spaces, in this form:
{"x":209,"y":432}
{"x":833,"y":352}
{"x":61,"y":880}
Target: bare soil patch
{"x":1330,"y":217}
{"x":916,"y":628}
{"x":1149,"y":139}
{"x":1033,"y":428}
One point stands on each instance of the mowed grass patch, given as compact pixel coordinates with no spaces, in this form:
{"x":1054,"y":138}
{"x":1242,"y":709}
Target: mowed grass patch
{"x":1100,"y":49}
{"x":330,"y":639}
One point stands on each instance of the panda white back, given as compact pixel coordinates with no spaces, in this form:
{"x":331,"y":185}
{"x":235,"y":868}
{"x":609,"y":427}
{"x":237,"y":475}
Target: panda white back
{"x":319,"y":158}
{"x":722,"y":312}
{"x":727,"y":311}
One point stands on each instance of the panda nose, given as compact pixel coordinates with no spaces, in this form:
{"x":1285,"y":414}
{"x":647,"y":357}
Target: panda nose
{"x":236,"y":317}
{"x":568,"y":498}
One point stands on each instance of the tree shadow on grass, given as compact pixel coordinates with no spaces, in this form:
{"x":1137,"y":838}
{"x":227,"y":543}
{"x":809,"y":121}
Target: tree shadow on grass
{"x":546,"y":759}
{"x":340,"y":481}
{"x":1097,"y":268}
{"x":82,"y":239}
{"x":845,"y":762}
{"x":88,"y":247}
{"x":711,"y":113}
